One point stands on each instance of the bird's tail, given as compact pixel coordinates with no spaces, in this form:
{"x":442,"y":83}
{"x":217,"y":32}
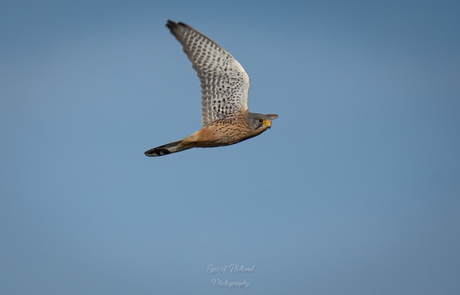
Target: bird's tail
{"x":169,"y":148}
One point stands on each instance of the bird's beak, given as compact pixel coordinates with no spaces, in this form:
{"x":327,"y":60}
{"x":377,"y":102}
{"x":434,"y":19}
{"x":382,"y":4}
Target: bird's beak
{"x":268,"y":124}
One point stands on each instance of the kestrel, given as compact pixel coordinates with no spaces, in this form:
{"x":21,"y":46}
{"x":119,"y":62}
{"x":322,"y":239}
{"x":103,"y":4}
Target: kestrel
{"x":224,"y":96}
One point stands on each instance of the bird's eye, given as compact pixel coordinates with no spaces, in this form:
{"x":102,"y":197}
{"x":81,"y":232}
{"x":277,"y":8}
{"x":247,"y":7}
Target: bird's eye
{"x":261,"y":120}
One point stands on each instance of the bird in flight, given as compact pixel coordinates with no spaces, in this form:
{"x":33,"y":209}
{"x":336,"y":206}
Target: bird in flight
{"x":224,"y":96}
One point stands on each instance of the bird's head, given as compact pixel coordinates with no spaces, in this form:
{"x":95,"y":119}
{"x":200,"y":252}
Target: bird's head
{"x":259,"y":122}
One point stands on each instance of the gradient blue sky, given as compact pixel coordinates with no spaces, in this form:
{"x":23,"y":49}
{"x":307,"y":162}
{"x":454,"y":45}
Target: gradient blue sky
{"x":355,"y":189}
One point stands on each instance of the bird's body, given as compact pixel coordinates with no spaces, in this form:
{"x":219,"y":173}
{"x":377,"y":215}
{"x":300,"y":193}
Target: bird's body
{"x":224,"y":87}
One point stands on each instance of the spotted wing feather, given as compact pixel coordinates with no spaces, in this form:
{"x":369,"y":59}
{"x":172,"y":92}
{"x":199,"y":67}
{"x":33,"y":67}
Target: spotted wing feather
{"x":224,"y":83}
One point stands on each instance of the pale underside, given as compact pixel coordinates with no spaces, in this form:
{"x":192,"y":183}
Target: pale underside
{"x":224,"y":83}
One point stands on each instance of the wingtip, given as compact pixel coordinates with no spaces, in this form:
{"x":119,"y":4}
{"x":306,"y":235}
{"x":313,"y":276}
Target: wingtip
{"x":172,"y":24}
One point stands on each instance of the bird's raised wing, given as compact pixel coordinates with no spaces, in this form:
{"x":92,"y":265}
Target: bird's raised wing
{"x":224,"y":83}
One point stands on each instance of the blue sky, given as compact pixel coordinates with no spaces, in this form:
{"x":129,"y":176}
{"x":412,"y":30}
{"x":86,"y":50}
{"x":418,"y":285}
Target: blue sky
{"x":354,"y":190}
